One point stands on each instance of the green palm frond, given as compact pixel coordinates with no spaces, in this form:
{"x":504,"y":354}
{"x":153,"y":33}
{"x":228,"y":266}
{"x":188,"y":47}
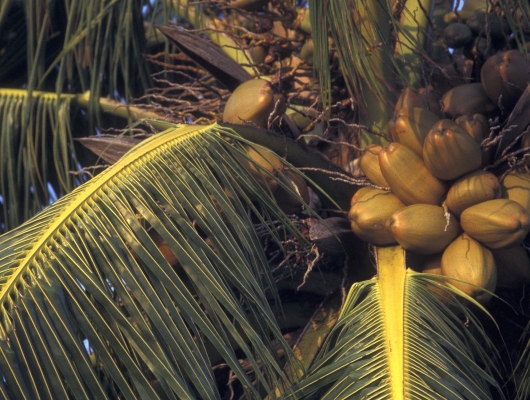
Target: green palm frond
{"x":523,"y":373}
{"x":86,"y":272}
{"x":395,"y":340}
{"x":79,"y":45}
{"x":379,"y":48}
{"x":97,"y":46}
{"x":37,"y":153}
{"x":521,"y":376}
{"x":37,"y":147}
{"x":102,"y":50}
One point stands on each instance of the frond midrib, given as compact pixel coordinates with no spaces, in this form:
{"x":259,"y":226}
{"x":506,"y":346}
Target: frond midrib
{"x":71,"y":204}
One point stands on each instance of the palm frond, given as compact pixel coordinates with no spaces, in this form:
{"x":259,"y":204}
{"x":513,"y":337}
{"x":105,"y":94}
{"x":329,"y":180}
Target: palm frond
{"x":395,"y":340}
{"x":86,"y":272}
{"x":380,"y":47}
{"x":102,"y":50}
{"x":12,"y":42}
{"x":521,"y":375}
{"x":79,"y":45}
{"x":37,"y":153}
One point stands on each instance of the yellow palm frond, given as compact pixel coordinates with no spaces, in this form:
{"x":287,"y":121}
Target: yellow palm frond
{"x":87,"y":271}
{"x":395,"y":340}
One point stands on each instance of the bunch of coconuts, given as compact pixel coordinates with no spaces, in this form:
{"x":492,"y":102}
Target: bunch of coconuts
{"x":481,"y":29}
{"x":477,"y":32}
{"x":432,"y":192}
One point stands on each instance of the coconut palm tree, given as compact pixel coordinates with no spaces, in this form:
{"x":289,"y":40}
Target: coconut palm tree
{"x":147,"y":254}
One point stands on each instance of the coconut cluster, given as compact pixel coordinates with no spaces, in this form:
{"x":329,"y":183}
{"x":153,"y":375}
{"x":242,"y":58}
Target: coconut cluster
{"x":479,"y":33}
{"x":443,"y":203}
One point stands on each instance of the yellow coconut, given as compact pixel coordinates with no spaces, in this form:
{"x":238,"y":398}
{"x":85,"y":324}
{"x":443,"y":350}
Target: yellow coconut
{"x":496,"y":223}
{"x":472,"y":266}
{"x":369,"y":215}
{"x":408,"y":176}
{"x":422,"y":98}
{"x":467,"y":99}
{"x":360,"y":193}
{"x":251,"y":103}
{"x":450,"y":153}
{"x":472,"y":188}
{"x":370,"y":165}
{"x":263,"y":165}
{"x":411,"y":125}
{"x":423,"y":228}
{"x":516,"y":186}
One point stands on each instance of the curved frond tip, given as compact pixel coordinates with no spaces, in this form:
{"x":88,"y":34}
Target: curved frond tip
{"x":145,"y":276}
